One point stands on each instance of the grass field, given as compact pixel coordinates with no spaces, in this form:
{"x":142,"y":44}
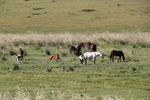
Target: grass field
{"x":111,"y":24}
{"x":25,"y":16}
{"x":103,"y":81}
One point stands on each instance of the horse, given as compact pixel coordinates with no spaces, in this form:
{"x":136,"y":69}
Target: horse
{"x":117,"y":53}
{"x":72,"y":49}
{"x":82,"y":44}
{"x":20,"y":56}
{"x":54,"y":58}
{"x":90,"y":46}
{"x":76,"y":50}
{"x":90,"y":55}
{"x":93,"y":48}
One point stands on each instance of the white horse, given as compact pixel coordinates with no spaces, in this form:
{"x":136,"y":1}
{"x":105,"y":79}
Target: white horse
{"x":90,"y":55}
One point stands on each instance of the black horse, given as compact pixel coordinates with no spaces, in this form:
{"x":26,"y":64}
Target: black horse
{"x":117,"y":53}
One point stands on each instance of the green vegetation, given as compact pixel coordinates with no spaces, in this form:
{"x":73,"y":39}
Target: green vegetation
{"x":25,"y":16}
{"x":111,"y":24}
{"x":37,"y":78}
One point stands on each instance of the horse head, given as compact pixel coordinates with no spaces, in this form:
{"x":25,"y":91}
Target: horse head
{"x":81,"y":57}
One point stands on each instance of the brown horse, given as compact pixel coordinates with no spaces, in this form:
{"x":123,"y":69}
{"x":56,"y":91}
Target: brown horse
{"x":72,"y":49}
{"x":76,"y":50}
{"x":93,"y":48}
{"x":90,"y":46}
{"x":20,"y":55}
{"x":56,"y":57}
{"x":117,"y":53}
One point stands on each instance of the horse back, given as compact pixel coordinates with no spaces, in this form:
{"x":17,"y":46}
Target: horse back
{"x":116,"y":53}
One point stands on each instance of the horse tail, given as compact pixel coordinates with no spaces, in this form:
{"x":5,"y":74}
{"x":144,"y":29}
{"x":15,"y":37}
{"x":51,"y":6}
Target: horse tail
{"x":123,"y":57}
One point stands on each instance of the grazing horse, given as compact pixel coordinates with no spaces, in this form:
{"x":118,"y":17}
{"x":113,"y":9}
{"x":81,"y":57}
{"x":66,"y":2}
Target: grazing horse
{"x":20,"y":55}
{"x":90,"y":55}
{"x":117,"y":53}
{"x":56,"y":57}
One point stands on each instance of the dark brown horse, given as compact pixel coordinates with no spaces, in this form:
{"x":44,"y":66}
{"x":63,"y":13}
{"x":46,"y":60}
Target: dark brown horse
{"x":76,"y":50}
{"x":72,"y":49}
{"x":93,"y":48}
{"x":120,"y":54}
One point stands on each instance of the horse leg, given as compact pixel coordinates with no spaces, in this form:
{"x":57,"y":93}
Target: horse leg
{"x":119,"y":59}
{"x":94,"y":60}
{"x":110,"y":58}
{"x":85,"y":60}
{"x":113,"y":59}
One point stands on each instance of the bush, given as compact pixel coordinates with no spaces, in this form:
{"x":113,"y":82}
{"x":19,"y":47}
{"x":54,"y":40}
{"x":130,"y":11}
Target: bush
{"x":49,"y":69}
{"x":12,"y":53}
{"x":47,"y":52}
{"x":4,"y":58}
{"x":70,"y":69}
{"x":64,"y":54}
{"x":133,"y":69}
{"x":15,"y":67}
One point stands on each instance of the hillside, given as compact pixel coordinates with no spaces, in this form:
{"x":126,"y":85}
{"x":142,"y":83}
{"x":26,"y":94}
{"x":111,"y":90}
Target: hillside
{"x":21,"y":16}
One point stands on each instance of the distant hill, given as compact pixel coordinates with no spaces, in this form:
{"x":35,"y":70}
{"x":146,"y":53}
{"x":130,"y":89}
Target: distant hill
{"x":44,"y":16}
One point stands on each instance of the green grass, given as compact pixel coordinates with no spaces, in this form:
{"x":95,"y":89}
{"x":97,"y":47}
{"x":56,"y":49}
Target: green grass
{"x":19,"y":16}
{"x":105,"y":80}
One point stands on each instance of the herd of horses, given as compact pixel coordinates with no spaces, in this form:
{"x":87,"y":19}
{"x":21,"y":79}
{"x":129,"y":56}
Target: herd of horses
{"x":77,"y":50}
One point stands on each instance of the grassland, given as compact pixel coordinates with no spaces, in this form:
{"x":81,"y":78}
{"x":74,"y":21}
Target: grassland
{"x":25,"y":16}
{"x":111,"y":24}
{"x":103,"y":81}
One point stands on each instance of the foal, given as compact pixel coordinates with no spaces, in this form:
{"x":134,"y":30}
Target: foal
{"x":54,"y":57}
{"x":117,"y":53}
{"x":90,"y":55}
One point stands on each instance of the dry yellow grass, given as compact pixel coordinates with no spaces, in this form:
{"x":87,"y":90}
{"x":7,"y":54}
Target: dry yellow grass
{"x":56,"y":95}
{"x":74,"y":37}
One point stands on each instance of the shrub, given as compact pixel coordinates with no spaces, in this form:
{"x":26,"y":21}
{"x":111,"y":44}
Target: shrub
{"x":134,"y":69}
{"x":49,"y":69}
{"x":64,"y":54}
{"x":15,"y":67}
{"x":12,"y":53}
{"x":70,"y":69}
{"x":4,"y":58}
{"x":47,"y":52}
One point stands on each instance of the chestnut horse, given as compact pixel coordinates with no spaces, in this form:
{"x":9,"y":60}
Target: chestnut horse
{"x":56,"y":57}
{"x":117,"y":53}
